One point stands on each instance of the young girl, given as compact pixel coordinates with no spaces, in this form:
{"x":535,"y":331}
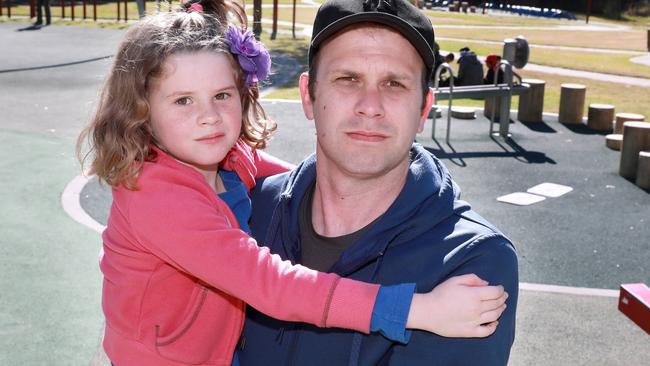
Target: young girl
{"x":181,"y":100}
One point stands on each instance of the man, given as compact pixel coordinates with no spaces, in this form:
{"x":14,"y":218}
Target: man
{"x":470,"y":69}
{"x":369,"y":204}
{"x":40,"y":4}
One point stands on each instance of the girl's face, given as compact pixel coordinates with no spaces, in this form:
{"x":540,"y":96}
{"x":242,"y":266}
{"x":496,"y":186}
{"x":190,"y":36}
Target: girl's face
{"x":196,"y":111}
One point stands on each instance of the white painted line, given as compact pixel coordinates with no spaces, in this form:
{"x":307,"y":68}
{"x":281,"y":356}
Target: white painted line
{"x":585,"y":291}
{"x":70,"y":200}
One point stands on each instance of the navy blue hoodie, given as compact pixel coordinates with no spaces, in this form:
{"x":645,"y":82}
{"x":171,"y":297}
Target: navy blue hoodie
{"x":426,"y":236}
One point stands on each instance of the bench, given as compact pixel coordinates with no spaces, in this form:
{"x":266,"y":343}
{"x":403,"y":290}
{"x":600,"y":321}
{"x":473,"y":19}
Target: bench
{"x":504,"y":90}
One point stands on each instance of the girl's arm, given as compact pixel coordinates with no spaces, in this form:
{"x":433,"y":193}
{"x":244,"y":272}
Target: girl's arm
{"x":179,"y":219}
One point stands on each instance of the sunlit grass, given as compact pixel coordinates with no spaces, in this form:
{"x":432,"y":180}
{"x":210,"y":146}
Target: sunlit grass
{"x":618,"y":64}
{"x":634,"y":40}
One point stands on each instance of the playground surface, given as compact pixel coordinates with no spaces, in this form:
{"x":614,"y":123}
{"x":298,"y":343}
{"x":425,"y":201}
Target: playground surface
{"x":574,"y":250}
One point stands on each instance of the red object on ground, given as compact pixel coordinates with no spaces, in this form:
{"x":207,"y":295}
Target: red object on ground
{"x":634,"y":302}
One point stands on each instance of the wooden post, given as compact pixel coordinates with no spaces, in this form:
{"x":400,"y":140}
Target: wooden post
{"x":274,"y":31}
{"x":624,"y":117}
{"x":643,"y":170}
{"x":71,"y":9}
{"x":648,"y":38}
{"x":32,"y":8}
{"x":600,"y":117}
{"x":572,"y":103}
{"x":531,"y":101}
{"x":293,"y":20}
{"x":614,"y":141}
{"x":257,"y":18}
{"x":492,"y":103}
{"x":636,"y":138}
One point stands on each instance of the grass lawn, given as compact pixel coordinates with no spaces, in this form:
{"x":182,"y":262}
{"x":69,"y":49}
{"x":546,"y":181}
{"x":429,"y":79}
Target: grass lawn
{"x":634,"y":40}
{"x":588,"y":61}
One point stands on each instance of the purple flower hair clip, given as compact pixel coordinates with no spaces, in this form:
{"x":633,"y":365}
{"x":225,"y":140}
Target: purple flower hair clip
{"x":253,"y":57}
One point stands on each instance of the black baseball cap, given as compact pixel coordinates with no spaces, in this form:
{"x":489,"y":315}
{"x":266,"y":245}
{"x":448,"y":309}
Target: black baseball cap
{"x":400,"y":15}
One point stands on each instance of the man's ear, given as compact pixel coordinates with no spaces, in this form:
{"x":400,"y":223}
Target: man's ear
{"x":428,"y":102}
{"x":307,"y":105}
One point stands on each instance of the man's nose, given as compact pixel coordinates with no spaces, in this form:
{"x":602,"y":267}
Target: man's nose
{"x":370,"y":104}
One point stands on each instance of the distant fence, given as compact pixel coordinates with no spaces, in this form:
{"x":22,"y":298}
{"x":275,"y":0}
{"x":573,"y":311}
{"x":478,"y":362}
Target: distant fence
{"x":118,"y":10}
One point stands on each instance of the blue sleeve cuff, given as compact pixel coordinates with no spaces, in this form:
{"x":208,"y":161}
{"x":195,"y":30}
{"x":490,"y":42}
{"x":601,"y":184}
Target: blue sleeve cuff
{"x":391,"y":312}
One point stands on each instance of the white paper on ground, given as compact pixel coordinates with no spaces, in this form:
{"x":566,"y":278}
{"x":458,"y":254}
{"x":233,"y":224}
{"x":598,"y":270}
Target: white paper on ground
{"x":521,"y":198}
{"x":550,"y":190}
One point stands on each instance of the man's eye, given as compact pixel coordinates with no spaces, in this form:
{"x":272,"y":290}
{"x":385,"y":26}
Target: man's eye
{"x":394,"y":84}
{"x":184,"y":101}
{"x":222,"y":96}
{"x":347,"y":79}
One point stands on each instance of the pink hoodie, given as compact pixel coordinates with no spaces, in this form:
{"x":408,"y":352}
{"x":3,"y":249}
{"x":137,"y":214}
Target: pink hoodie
{"x":176,"y":265}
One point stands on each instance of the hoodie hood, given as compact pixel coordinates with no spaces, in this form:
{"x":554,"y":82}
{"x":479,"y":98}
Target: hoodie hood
{"x":428,"y":197}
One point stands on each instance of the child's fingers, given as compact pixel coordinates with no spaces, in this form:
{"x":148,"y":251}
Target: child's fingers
{"x":492,"y":315}
{"x":490,"y":292}
{"x":488,"y":305}
{"x":485,"y":330}
{"x":469,"y":280}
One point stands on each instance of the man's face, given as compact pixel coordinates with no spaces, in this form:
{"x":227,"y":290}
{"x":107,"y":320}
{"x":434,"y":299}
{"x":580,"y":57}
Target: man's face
{"x":367,"y":102}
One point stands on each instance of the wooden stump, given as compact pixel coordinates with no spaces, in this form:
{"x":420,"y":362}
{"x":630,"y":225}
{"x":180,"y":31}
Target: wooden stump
{"x":636,"y":138}
{"x":643,"y":170}
{"x":572,"y":103}
{"x":531,"y":102}
{"x":624,"y":117}
{"x":472,"y":9}
{"x":600,"y":117}
{"x":489,"y":104}
{"x":463,"y":112}
{"x":613,"y":141}
{"x":464,"y":5}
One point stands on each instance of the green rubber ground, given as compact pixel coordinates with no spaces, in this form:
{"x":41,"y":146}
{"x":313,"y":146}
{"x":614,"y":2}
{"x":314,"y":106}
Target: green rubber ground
{"x":50,"y":310}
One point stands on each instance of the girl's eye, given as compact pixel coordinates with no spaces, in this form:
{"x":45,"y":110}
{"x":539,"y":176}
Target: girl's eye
{"x":222,"y":96}
{"x":184,"y":101}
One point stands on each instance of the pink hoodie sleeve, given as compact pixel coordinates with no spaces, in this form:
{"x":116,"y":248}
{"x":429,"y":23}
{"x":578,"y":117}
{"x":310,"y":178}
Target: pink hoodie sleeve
{"x":250,"y":163}
{"x":181,"y":221}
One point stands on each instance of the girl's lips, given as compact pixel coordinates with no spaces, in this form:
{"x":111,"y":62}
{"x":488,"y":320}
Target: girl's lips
{"x":210,"y":139}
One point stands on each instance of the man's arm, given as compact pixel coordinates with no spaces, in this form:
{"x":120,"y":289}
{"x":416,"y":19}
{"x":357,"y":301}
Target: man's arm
{"x":495,"y":261}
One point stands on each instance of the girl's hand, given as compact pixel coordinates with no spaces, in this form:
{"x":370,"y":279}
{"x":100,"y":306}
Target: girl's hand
{"x":463,"y":306}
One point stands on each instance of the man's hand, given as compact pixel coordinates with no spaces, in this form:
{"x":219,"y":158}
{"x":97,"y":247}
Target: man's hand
{"x":463,"y":306}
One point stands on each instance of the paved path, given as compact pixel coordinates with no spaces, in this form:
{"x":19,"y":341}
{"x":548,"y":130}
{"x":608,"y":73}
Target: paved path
{"x":626,"y":80}
{"x":644,"y":60}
